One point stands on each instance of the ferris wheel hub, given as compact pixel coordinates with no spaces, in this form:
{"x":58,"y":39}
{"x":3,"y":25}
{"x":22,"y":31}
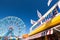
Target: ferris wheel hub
{"x":11,"y":28}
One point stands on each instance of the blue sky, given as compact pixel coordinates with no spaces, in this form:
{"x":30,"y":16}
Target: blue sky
{"x":24,"y":9}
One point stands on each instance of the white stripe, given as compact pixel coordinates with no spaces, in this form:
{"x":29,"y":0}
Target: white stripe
{"x":59,"y":4}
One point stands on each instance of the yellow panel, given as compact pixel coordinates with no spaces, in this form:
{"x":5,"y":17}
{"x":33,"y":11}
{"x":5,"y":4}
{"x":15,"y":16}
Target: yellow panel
{"x":55,"y":21}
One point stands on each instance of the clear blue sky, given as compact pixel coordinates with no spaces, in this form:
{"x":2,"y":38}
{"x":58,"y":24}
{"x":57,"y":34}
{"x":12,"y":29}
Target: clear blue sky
{"x":24,"y":9}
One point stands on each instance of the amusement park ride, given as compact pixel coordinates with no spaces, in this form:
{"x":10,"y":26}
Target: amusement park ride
{"x":11,"y":28}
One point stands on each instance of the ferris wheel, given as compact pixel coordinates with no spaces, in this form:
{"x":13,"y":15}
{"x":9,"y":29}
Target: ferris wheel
{"x":12,"y":22}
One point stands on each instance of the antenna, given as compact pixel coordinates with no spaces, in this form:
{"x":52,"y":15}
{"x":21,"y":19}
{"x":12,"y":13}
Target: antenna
{"x":49,"y":2}
{"x":32,"y":21}
{"x":39,"y":14}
